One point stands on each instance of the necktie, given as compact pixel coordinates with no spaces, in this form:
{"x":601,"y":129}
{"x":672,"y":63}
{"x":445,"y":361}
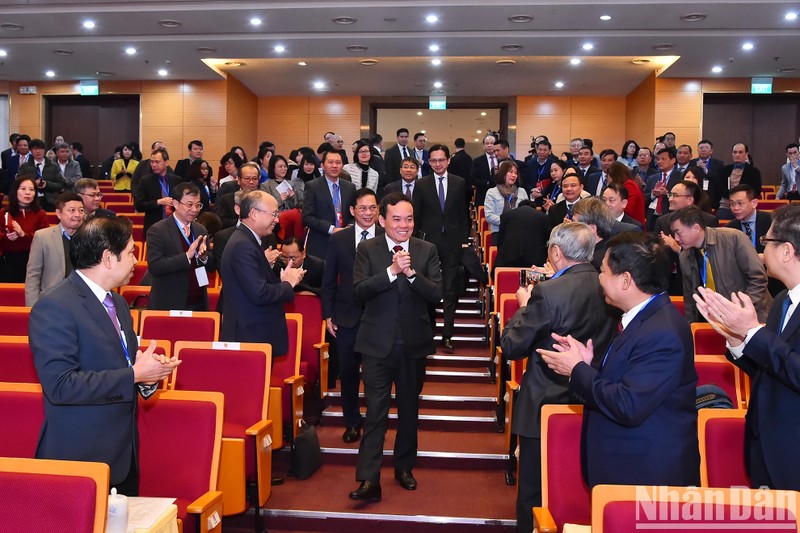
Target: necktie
{"x":364,"y":235}
{"x":336,"y":206}
{"x":39,"y":169}
{"x":494,"y":164}
{"x":660,"y":203}
{"x":796,"y":177}
{"x":111,"y":309}
{"x":441,"y":193}
{"x":187,"y":232}
{"x":569,"y":211}
{"x":405,"y":152}
{"x":397,"y":248}
{"x":408,"y":190}
{"x":708,"y":273}
{"x":747,"y":230}
{"x":787,"y":302}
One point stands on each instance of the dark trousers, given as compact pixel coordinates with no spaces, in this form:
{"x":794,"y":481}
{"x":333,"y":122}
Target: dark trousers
{"x":130,"y":485}
{"x":450,"y":292}
{"x":378,"y":374}
{"x":756,"y":466}
{"x":349,"y":365}
{"x":529,"y":482}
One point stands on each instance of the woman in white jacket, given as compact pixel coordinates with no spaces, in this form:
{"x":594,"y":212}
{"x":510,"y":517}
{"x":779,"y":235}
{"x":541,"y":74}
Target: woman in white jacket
{"x":505,"y":196}
{"x":361,"y":174}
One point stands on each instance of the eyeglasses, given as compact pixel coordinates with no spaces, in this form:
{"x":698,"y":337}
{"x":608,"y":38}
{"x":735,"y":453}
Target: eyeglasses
{"x":410,"y":167}
{"x":676,"y":195}
{"x":274,"y":214}
{"x":366,"y":208}
{"x":367,"y":151}
{"x":192,"y":205}
{"x":437,"y":161}
{"x":92,"y":195}
{"x":248,"y":179}
{"x":764,"y":240}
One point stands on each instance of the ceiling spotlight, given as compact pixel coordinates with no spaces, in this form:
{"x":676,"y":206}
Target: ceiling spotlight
{"x":511,"y":47}
{"x":559,"y":84}
{"x":437,"y":84}
{"x":505,"y":62}
{"x":419,"y":113}
{"x":478,"y":131}
{"x":791,"y":15}
{"x":483,"y":113}
{"x":747,"y":46}
{"x":436,"y":62}
{"x":432,"y":19}
{"x":640,"y":61}
{"x":574,"y":61}
{"x":234,"y":64}
{"x":368,"y":62}
{"x":3,"y":53}
{"x":476,"y":140}
{"x":694,"y":17}
{"x":318,"y":85}
{"x":169,"y":23}
{"x":205,"y":50}
{"x":605,"y":18}
{"x":279,"y":48}
{"x":344,"y":20}
{"x":130,"y":51}
{"x":520,"y":19}
{"x":104,"y":73}
{"x":302,"y":64}
{"x":434,"y":48}
{"x":162,"y":72}
{"x":423,"y":131}
{"x":716,"y":69}
{"x":50,"y":74}
{"x":88,"y":24}
{"x":356,"y":48}
{"x":255,"y":21}
{"x":587,"y":46}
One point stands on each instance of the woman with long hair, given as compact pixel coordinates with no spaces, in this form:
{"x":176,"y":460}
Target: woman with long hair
{"x":200,"y":174}
{"x":309,"y":168}
{"x":628,"y":154}
{"x":18,"y":222}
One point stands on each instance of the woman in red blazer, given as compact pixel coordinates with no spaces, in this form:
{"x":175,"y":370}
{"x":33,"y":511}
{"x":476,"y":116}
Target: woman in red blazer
{"x":620,"y":173}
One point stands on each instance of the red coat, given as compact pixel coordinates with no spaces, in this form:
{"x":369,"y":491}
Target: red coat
{"x":635,"y":207}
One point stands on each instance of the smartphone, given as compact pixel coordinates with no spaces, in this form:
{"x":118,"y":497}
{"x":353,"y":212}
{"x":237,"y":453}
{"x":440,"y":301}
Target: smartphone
{"x":528,"y":276}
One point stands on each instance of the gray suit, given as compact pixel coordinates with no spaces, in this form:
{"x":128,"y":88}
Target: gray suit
{"x":72,"y":173}
{"x":46,"y":264}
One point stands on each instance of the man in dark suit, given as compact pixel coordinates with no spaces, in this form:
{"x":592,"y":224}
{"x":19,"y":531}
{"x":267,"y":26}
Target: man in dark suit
{"x":522,"y":240}
{"x":5,"y":155}
{"x":740,"y":172}
{"x":46,"y":174}
{"x":407,"y":184}
{"x":254,"y":296}
{"x":397,"y":277}
{"x":598,"y":181}
{"x":460,"y":162}
{"x":569,"y":303}
{"x":537,"y":168}
{"x":441,"y":218}
{"x":421,"y":154}
{"x":639,"y":416}
{"x":659,"y":184}
{"x":177,"y":255}
{"x":16,"y":160}
{"x":644,"y":168}
{"x":293,"y":250}
{"x":87,"y":358}
{"x":89,"y":191}
{"x":143,"y":169}
{"x":395,"y":155}
{"x":326,"y":205}
{"x":481,"y":176}
{"x":153,"y":194}
{"x":246,"y":181}
{"x":195,"y":152}
{"x":747,"y":217}
{"x":585,"y":166}
{"x":571,"y":187}
{"x":616,"y":198}
{"x":77,"y":155}
{"x":340,"y":308}
{"x":769,"y":355}
{"x":706,"y":161}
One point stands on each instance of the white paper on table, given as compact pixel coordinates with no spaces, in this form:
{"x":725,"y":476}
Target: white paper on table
{"x":575,"y":528}
{"x":284,"y":187}
{"x":143,"y":512}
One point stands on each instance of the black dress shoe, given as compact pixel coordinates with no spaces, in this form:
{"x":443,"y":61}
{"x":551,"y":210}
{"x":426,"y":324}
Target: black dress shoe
{"x":368,"y":491}
{"x":406,"y":479}
{"x":351,"y":434}
{"x":448,"y":345}
{"x":277,"y":480}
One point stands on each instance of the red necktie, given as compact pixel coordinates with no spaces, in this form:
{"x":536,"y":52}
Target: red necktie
{"x":660,"y":204}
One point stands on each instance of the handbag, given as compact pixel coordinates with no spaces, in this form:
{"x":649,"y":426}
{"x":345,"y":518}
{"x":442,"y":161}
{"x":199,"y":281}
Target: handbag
{"x":306,"y":456}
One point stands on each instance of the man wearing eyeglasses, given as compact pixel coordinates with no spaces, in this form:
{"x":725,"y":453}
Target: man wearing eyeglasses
{"x":153,"y":197}
{"x":89,"y":191}
{"x":249,"y":174}
{"x":177,"y":255}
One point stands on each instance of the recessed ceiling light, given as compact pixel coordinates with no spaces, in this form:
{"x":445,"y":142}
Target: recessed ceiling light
{"x":162,"y":72}
{"x":343,"y":20}
{"x":574,"y":61}
{"x":511,"y":47}
{"x":483,"y":113}
{"x":104,"y":74}
{"x":431,"y":19}
{"x":478,"y":131}
{"x":205,"y":50}
{"x":130,"y":51}
{"x":605,"y":18}
{"x":50,"y":74}
{"x":640,"y":61}
{"x":476,"y":140}
{"x":505,"y":62}
{"x":63,"y":52}
{"x":520,"y":19}
{"x":3,"y":53}
{"x":663,"y":47}
{"x":716,"y":69}
{"x":694,"y":17}
{"x":302,"y":64}
{"x":17,"y":27}
{"x":255,"y":21}
{"x":437,"y":84}
{"x":356,"y":48}
{"x":587,"y":46}
{"x":368,"y":62}
{"x":279,"y":48}
{"x":318,"y":85}
{"x":434,"y":48}
{"x":791,"y":15}
{"x":169,"y":23}
{"x":419,"y":113}
{"x":423,"y":131}
{"x":559,"y":84}
{"x":88,"y":24}
{"x":747,"y":46}
{"x":436,"y":62}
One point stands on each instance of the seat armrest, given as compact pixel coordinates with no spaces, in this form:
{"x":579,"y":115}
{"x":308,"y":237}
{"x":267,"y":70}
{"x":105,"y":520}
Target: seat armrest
{"x":208,"y":506}
{"x":275,"y":413}
{"x":296,"y":382}
{"x":262,"y":430}
{"x":324,"y":354}
{"x":543,"y":521}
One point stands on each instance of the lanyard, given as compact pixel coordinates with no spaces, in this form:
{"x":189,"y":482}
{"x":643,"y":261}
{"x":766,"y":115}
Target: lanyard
{"x":162,"y":181}
{"x":191,"y":234}
{"x":555,"y":192}
{"x":705,"y":267}
{"x":605,"y":357}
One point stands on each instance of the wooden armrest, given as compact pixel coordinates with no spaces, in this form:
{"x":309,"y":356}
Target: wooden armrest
{"x":207,"y":506}
{"x":324,"y":354}
{"x":512,"y":386}
{"x":262,"y":430}
{"x":295,"y":381}
{"x":259,"y":427}
{"x":275,"y":413}
{"x":543,"y":521}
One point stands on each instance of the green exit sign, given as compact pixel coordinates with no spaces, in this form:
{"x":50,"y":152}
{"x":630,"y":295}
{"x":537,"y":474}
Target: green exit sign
{"x":761,"y":86}
{"x":437,"y":102}
{"x":89,"y":88}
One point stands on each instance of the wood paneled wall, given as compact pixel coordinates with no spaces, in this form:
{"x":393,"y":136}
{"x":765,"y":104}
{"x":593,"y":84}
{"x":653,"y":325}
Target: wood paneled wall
{"x":640,"y":107}
{"x":242,"y":118}
{"x":562,"y":118}
{"x":294,"y":121}
{"x":679,"y":109}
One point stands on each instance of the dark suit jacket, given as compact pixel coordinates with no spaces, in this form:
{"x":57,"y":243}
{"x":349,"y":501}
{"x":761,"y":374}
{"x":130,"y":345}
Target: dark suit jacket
{"x":253,"y":297}
{"x":338,"y":299}
{"x":55,"y":183}
{"x":460,"y":164}
{"x":592,"y":181}
{"x":142,"y":169}
{"x":773,"y":413}
{"x":398,"y":309}
{"x":104,"y":213}
{"x":523,"y":236}
{"x":392,"y":159}
{"x":398,"y":186}
{"x":573,"y":304}
{"x":429,"y":219}
{"x":227,"y":188}
{"x":627,"y":219}
{"x":719,"y":187}
{"x":182,"y":168}
{"x":5,"y":158}
{"x":225,"y":209}
{"x":312,"y":279}
{"x":557,"y":213}
{"x":639,"y":418}
{"x":674,"y":177}
{"x":481,"y":178}
{"x":169,"y":268}
{"x":89,"y":393}
{"x":147,"y":195}
{"x":763,"y":222}
{"x":536,"y":172}
{"x":319,"y":213}
{"x":585,"y":176}
{"x":86,"y":167}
